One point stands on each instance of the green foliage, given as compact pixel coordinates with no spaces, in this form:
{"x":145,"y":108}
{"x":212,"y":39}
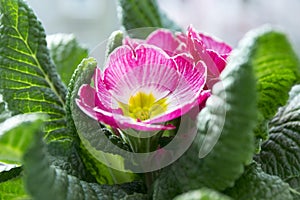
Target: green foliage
{"x":8,"y":172}
{"x":202,"y":194}
{"x":14,"y":140}
{"x":28,"y":79}
{"x":66,"y":53}
{"x":114,"y":40}
{"x":44,"y":181}
{"x":277,"y":70}
{"x":256,"y":184}
{"x":88,"y":129}
{"x":222,"y":118}
{"x":280,"y":154}
{"x":143,"y":14}
{"x":13,"y":190}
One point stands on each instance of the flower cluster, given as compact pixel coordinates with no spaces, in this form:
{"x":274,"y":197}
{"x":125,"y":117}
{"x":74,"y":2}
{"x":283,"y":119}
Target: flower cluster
{"x":147,"y":83}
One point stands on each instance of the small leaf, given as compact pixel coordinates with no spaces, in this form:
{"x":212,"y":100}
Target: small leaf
{"x":66,"y":53}
{"x":11,"y":173}
{"x":256,"y":184}
{"x":202,"y":194}
{"x":13,"y":189}
{"x":15,"y":136}
{"x":225,"y":140}
{"x":44,"y":181}
{"x":29,"y":82}
{"x":280,"y":154}
{"x":143,"y":14}
{"x":114,"y":40}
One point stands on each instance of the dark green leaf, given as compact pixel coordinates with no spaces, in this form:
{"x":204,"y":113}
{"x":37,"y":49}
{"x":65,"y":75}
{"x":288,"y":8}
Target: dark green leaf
{"x":280,"y":154}
{"x":256,"y":184}
{"x":225,"y":140}
{"x":143,"y":14}
{"x":202,"y":194}
{"x":28,"y":79}
{"x":276,"y":67}
{"x":66,"y":53}
{"x":44,"y":181}
{"x":11,"y":173}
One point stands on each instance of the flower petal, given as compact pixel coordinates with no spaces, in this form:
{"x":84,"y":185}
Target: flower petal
{"x":147,"y":69}
{"x":119,"y":121}
{"x":165,"y":40}
{"x":186,"y":95}
{"x":215,"y":44}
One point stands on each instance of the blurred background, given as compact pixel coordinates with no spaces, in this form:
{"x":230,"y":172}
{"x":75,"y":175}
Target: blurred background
{"x":92,"y":21}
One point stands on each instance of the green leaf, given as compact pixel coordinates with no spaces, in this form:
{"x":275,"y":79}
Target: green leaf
{"x":225,"y":140}
{"x":44,"y":181}
{"x":28,"y":79}
{"x":114,"y":40}
{"x":13,"y":190}
{"x":280,"y":154}
{"x":256,"y":184}
{"x":276,"y":68}
{"x":202,"y":194}
{"x":66,"y":53}
{"x":90,"y":130}
{"x":15,"y":136}
{"x":143,"y":14}
{"x":8,"y":172}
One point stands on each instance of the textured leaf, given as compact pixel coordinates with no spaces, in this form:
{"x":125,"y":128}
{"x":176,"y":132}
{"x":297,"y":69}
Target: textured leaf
{"x":10,"y":173}
{"x":280,"y":154}
{"x":66,"y":53}
{"x":256,"y":184}
{"x":114,"y":40}
{"x":90,"y":130}
{"x":202,"y":194}
{"x":15,"y":135}
{"x":13,"y":190}
{"x":277,"y":70}
{"x":143,"y":14}
{"x":28,"y":79}
{"x":44,"y":181}
{"x":224,"y":121}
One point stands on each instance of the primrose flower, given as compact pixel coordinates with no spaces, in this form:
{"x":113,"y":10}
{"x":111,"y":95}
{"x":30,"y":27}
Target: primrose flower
{"x":147,"y":83}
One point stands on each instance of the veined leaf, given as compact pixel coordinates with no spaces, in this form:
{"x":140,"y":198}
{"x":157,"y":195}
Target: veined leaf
{"x":143,"y":14}
{"x":29,"y":82}
{"x":202,"y":194}
{"x":44,"y":181}
{"x":8,"y":172}
{"x":277,"y":69}
{"x":280,"y":154}
{"x":114,"y":40}
{"x":66,"y":53}
{"x":13,"y":190}
{"x":256,"y":184}
{"x":225,"y":140}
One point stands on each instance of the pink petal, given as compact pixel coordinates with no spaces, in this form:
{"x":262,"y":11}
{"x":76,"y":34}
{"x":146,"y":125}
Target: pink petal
{"x":119,"y":121}
{"x":215,"y":44}
{"x":146,"y":69}
{"x":186,"y":95}
{"x":165,"y":40}
{"x":131,"y":42}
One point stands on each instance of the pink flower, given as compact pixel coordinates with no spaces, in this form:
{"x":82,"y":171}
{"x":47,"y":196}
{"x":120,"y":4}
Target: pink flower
{"x":147,"y":83}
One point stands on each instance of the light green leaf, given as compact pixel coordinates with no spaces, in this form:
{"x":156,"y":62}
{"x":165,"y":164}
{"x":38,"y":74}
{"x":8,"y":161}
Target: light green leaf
{"x":202,"y":194}
{"x":225,"y":140}
{"x":66,"y":53}
{"x":13,"y":190}
{"x":44,"y":181}
{"x":255,"y":184}
{"x":90,"y":130}
{"x":280,"y":154}
{"x":29,"y":82}
{"x":114,"y":40}
{"x":143,"y":14}
{"x":277,"y":69}
{"x":16,"y":134}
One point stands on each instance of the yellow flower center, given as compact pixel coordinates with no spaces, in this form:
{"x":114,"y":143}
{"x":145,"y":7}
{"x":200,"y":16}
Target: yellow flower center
{"x":142,"y":106}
